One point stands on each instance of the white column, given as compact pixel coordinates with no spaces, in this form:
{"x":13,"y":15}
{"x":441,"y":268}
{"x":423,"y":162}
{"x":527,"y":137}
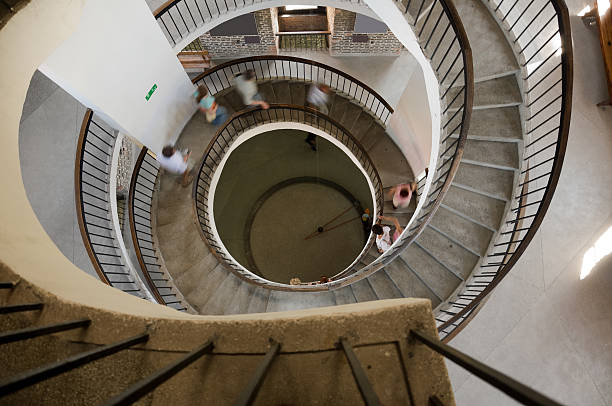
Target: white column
{"x":111,"y":62}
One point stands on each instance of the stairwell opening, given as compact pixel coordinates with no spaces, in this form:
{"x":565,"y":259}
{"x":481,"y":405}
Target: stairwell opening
{"x":284,"y":210}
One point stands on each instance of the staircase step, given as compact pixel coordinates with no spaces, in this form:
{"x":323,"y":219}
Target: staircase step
{"x":344,"y":296}
{"x":435,"y":275}
{"x":383,"y":286}
{"x":362,"y":125}
{"x":233,"y":99}
{"x":223,"y":296}
{"x":501,"y":155}
{"x":298,"y":93}
{"x":339,"y":105}
{"x":375,"y":135}
{"x":493,"y":182}
{"x":266,"y":90}
{"x":282,"y":91}
{"x":363,"y":291}
{"x":468,"y":234}
{"x":259,"y":300}
{"x":241,"y":298}
{"x":493,"y":92}
{"x":351,"y":114}
{"x":392,"y":166}
{"x":446,"y":251}
{"x":209,"y":283}
{"x":490,"y":50}
{"x":503,"y":123}
{"x":408,"y":283}
{"x":485,"y":210}
{"x":281,"y":301}
{"x":168,"y":215}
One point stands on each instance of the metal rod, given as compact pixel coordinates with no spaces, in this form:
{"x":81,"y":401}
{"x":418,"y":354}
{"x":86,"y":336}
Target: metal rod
{"x":21,"y":308}
{"x":509,"y":386}
{"x":247,"y":396}
{"x":33,"y":376}
{"x":367,"y":393}
{"x":31,"y":332}
{"x":146,"y":385}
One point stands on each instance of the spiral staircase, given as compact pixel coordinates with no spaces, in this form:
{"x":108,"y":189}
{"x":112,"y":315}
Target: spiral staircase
{"x":449,"y":257}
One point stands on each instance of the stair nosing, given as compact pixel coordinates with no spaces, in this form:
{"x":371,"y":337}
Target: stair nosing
{"x":454,"y":240}
{"x":480,"y":192}
{"x":468,"y":218}
{"x":443,"y":265}
{"x":421,"y":279}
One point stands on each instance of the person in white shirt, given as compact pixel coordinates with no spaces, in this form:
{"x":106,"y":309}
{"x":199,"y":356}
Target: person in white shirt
{"x":247,"y":87}
{"x":383,"y":238}
{"x":175,"y":162}
{"x":318,"y":97}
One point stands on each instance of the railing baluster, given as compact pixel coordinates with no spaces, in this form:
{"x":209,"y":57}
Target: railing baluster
{"x":365,"y":388}
{"x":248,"y":394}
{"x":32,"y":332}
{"x":21,"y":308}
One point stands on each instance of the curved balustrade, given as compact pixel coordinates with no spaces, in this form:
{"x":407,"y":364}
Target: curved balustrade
{"x":274,"y":67}
{"x":539,"y":31}
{"x":236,"y":125}
{"x":93,"y":205}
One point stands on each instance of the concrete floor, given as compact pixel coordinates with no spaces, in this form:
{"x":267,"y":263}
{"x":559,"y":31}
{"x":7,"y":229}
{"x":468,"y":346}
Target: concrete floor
{"x":544,"y":326}
{"x":284,"y":221}
{"x":48,"y":134}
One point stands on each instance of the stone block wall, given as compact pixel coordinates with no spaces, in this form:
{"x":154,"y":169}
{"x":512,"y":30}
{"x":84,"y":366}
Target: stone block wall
{"x":236,"y":46}
{"x":306,"y":22}
{"x":342,"y":24}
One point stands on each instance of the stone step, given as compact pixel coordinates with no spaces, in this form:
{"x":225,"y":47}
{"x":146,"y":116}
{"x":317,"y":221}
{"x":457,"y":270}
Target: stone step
{"x":452,"y":255}
{"x":408,"y":282}
{"x":363,"y":291}
{"x":484,"y":210}
{"x":361,"y":126}
{"x":298,"y":93}
{"x":350,"y":116}
{"x":392,"y":166}
{"x":282,"y":301}
{"x":258,"y":302}
{"x":493,"y":92}
{"x":503,"y":123}
{"x":383,"y":286}
{"x":206,"y":287}
{"x":501,"y":155}
{"x":266,"y":90}
{"x":241,"y":298}
{"x":282,"y":91}
{"x":344,"y":296}
{"x":339,"y":105}
{"x":469,"y":235}
{"x":224,"y":295}
{"x":490,"y":181}
{"x":440,"y":279}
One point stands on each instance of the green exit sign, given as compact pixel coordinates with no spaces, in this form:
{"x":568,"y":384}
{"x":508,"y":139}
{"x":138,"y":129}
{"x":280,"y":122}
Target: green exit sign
{"x":148,"y":96}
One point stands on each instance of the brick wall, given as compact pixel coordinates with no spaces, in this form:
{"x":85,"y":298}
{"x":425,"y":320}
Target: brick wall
{"x":343,"y":23}
{"x":236,"y":46}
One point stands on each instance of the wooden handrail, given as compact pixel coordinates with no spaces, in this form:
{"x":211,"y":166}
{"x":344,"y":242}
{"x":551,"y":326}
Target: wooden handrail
{"x":566,"y":108}
{"x":297,"y":60}
{"x":141,"y":261}
{"x":78,"y":166}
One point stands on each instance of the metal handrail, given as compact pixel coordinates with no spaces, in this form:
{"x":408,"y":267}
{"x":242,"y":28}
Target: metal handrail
{"x":225,"y":136}
{"x":91,"y":192}
{"x":268,"y":67}
{"x":542,"y":42}
{"x":142,"y":188}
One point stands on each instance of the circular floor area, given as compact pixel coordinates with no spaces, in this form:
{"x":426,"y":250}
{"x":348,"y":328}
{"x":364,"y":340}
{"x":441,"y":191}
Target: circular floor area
{"x":284,"y":241}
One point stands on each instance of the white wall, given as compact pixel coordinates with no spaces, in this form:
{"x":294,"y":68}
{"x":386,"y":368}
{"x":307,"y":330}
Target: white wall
{"x":112,"y":60}
{"x":419,"y":108}
{"x":409,"y":126}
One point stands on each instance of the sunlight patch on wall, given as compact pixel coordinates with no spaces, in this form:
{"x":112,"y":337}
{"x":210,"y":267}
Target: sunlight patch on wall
{"x":600,"y":249}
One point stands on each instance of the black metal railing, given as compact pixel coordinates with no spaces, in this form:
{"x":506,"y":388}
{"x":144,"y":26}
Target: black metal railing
{"x":221,"y":143}
{"x":248,"y":394}
{"x":93,"y":207}
{"x":274,"y":67}
{"x":539,"y":32}
{"x":142,"y":189}
{"x":303,"y":41}
{"x":182,"y":20}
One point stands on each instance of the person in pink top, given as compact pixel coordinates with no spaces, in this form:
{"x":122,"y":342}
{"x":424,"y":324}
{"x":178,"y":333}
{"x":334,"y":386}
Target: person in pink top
{"x":401,"y":194}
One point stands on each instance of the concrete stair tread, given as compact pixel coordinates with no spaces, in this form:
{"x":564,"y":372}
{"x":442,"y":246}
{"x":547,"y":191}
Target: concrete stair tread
{"x":484,"y":209}
{"x":224,"y":295}
{"x":167,"y":215}
{"x":241,"y":298}
{"x":282,"y":90}
{"x":500,"y":122}
{"x":448,"y":252}
{"x":499,"y":91}
{"x":383,"y":286}
{"x":339,"y":105}
{"x":207,"y":286}
{"x":435,"y":275}
{"x":258,"y":302}
{"x":408,"y":283}
{"x":363,"y":291}
{"x":351,"y":114}
{"x":266,"y":90}
{"x":375,"y":135}
{"x":298,"y":93}
{"x":344,"y":296}
{"x":502,"y":155}
{"x":392,"y":166}
{"x":232,"y":99}
{"x":494,"y":182}
{"x":470,"y":235}
{"x":490,"y":50}
{"x":361,"y":126}
{"x":282,"y":301}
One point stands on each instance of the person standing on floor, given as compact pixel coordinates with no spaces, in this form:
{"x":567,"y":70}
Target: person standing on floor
{"x":383,"y":238}
{"x":247,"y":87}
{"x":174,"y":161}
{"x":401,"y":194}
{"x":215,"y":114}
